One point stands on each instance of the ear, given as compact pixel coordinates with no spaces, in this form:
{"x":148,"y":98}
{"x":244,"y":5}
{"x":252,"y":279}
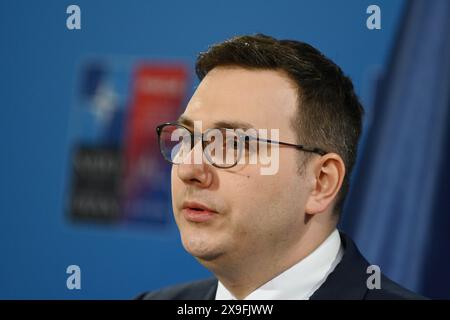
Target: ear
{"x":328,"y":173}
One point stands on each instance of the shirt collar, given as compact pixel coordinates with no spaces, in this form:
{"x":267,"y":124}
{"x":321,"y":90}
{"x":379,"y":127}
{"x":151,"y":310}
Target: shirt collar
{"x":301,"y":280}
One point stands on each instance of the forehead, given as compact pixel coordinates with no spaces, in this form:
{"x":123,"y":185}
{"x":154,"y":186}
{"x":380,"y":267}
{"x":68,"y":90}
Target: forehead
{"x":264,"y":99}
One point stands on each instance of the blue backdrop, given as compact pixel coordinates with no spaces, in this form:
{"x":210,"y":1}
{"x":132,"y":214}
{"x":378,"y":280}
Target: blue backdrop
{"x":398,"y":211}
{"x":39,"y":60}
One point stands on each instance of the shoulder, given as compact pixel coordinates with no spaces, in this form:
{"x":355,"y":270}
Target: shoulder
{"x":196,"y":290}
{"x":391,"y":290}
{"x":348,"y":281}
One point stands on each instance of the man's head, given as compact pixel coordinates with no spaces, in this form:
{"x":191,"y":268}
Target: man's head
{"x":267,"y":84}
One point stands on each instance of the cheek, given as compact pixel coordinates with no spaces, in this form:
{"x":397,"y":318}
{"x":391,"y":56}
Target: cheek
{"x":254,"y":201}
{"x":175,"y":181}
{"x":277,"y":197}
{"x":176,"y":189}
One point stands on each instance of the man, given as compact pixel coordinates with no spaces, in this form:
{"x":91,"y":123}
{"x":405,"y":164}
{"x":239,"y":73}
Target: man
{"x":269,"y":236}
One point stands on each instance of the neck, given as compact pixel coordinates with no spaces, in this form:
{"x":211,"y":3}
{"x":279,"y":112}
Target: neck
{"x":243,"y":274}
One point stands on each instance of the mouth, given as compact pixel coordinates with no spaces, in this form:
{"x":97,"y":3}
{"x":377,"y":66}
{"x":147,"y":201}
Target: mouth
{"x":197,"y":212}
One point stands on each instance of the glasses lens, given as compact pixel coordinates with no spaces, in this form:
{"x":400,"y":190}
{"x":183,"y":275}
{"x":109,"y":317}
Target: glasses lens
{"x":222,"y":147}
{"x":175,"y":143}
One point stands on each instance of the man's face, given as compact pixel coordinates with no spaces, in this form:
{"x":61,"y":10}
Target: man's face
{"x":255,"y":214}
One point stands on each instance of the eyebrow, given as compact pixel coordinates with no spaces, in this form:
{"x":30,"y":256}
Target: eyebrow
{"x":229,"y":124}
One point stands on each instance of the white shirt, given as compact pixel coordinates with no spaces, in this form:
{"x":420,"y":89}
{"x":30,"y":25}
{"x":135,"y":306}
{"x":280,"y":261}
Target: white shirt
{"x":300,"y":281}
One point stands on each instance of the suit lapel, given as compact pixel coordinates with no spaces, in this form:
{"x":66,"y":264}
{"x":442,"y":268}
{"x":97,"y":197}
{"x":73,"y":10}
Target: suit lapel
{"x":210,"y":289}
{"x":348,"y":280}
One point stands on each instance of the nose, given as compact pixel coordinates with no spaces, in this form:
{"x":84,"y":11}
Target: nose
{"x":195,"y":170}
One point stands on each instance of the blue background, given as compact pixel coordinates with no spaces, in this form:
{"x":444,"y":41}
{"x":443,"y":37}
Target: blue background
{"x":39,"y":60}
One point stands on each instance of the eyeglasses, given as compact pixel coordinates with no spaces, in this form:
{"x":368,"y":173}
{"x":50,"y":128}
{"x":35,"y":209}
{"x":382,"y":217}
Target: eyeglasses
{"x":222,"y":147}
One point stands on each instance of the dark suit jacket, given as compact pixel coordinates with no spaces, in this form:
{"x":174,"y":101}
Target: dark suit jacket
{"x":346,"y":282}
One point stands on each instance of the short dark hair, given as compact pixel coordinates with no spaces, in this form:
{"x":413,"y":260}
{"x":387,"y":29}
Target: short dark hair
{"x":330,"y":114}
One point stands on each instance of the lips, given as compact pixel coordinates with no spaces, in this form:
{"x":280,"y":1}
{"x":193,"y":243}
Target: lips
{"x":197,"y":212}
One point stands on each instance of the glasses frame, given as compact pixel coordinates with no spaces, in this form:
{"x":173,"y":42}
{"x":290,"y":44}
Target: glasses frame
{"x":241,"y":136}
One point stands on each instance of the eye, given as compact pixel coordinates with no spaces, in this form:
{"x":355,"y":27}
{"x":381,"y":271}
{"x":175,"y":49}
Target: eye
{"x":231,"y":142}
{"x":251,"y":144}
{"x":247,"y":143}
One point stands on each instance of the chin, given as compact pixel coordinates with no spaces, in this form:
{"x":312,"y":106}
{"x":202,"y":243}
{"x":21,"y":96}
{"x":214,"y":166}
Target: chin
{"x":201,"y":249}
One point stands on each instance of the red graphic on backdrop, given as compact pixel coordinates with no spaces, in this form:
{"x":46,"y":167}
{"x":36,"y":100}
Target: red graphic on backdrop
{"x":158,"y":94}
